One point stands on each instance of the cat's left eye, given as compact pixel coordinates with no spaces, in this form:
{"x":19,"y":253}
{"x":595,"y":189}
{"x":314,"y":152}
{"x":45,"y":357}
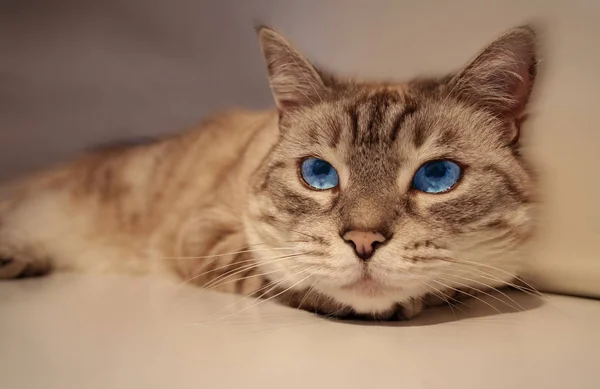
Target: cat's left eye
{"x":437,"y":176}
{"x":319,"y":174}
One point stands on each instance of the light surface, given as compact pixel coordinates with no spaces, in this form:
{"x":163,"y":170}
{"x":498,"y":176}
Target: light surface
{"x":73,"y":331}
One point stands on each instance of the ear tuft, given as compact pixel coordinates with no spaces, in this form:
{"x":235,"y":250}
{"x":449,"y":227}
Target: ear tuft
{"x":502,"y":76}
{"x":258,"y":27}
{"x":294,"y":81}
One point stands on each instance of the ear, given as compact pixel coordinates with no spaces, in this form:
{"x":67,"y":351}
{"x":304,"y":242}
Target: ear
{"x":501,"y":77}
{"x":294,"y":81}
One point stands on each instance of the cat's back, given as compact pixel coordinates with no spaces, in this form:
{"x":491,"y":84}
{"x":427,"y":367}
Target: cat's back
{"x":217,"y":142}
{"x":226,"y":148}
{"x":112,"y":200}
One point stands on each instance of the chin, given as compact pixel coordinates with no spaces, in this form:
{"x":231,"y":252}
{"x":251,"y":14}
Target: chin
{"x":371,"y":298}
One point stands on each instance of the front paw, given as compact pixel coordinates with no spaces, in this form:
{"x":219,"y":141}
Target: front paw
{"x":11,"y":268}
{"x":21,"y":266}
{"x":412,"y":308}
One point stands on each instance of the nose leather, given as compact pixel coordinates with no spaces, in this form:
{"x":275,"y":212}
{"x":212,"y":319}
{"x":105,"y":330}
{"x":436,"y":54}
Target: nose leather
{"x":364,"y":242}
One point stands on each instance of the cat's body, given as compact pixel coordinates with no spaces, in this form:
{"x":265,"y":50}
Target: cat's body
{"x":135,"y":208}
{"x":224,"y":205}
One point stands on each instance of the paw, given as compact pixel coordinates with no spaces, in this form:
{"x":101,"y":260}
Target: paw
{"x":412,"y":308}
{"x":437,"y":299}
{"x":18,"y":267}
{"x":10,"y":268}
{"x":449,"y":296}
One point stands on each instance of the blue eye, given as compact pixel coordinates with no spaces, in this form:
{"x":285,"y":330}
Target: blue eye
{"x":319,"y":174}
{"x":437,"y":176}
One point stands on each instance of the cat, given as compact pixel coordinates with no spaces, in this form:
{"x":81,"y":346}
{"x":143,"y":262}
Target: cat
{"x":351,"y":198}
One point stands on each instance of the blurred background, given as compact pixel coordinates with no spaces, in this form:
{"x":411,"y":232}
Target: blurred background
{"x":74,"y":73}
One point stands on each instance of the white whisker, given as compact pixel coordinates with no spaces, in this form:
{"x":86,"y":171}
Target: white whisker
{"x":439,"y":293}
{"x":517,"y":306}
{"x":231,"y":253}
{"x":531,"y":292}
{"x":493,"y":268}
{"x":310,"y":289}
{"x":254,"y":264}
{"x":247,"y":277}
{"x":262,"y":301}
{"x":269,"y":285}
{"x":468,"y":294}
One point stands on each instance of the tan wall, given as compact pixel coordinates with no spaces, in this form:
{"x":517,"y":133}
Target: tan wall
{"x":74,"y":73}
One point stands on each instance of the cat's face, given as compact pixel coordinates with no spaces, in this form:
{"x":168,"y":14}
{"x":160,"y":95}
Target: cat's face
{"x":340,"y":188}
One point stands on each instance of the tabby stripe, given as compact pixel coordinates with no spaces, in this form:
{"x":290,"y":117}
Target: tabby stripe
{"x":379,"y":105}
{"x":294,"y":204}
{"x":225,"y":268}
{"x":272,"y":168}
{"x":211,"y":264}
{"x":336,"y":133}
{"x":264,"y":285}
{"x":239,"y":285}
{"x":513,"y":189}
{"x":408,"y":110}
{"x":225,"y":274}
{"x":419,"y":136}
{"x":209,"y":269}
{"x":409,"y":207}
{"x":353,"y":123}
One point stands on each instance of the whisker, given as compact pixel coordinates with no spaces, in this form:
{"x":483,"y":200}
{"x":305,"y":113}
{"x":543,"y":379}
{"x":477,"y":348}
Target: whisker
{"x":437,"y":293}
{"x":441,"y":294}
{"x":448,"y":278}
{"x":517,"y":305}
{"x":255,"y":264}
{"x":308,"y":235}
{"x":492,"y":268}
{"x":272,"y":285}
{"x":252,"y":261}
{"x":334,"y":315}
{"x":468,"y":294}
{"x":310,"y":289}
{"x":262,"y":301}
{"x":445,"y":298}
{"x":531,"y":292}
{"x":231,"y":253}
{"x":269,"y":284}
{"x":245,"y":278}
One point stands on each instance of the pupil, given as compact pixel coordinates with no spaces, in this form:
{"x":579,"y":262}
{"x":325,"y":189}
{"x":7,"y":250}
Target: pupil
{"x":321,"y":168}
{"x":436,"y":170}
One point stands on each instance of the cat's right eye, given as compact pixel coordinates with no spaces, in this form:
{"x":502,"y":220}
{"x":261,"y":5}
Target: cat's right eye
{"x":319,"y":174}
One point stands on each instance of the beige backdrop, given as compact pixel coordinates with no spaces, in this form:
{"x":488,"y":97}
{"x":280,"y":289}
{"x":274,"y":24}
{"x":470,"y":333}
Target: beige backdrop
{"x":79,"y":72}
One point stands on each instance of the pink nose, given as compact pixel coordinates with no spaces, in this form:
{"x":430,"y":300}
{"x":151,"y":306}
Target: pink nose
{"x":364,"y":242}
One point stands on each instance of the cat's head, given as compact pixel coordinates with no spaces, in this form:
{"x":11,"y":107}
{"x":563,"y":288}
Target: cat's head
{"x":390,"y":191}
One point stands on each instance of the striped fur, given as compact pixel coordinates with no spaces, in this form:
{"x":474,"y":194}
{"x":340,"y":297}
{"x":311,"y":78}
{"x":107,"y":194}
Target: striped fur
{"x":222,"y":205}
